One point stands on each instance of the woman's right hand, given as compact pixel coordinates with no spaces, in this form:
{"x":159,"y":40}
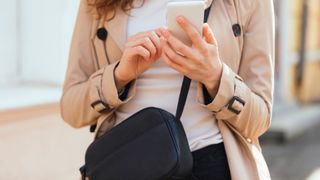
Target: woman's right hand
{"x":141,"y":51}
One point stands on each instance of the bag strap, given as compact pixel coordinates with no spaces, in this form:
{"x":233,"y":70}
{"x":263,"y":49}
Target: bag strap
{"x":187,"y":81}
{"x":185,"y":84}
{"x":181,"y":103}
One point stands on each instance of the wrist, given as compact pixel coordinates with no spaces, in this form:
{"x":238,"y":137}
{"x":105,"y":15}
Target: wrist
{"x":212,"y":85}
{"x":120,"y":80}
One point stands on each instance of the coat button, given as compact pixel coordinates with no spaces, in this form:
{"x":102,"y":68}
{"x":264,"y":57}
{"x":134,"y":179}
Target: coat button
{"x":249,"y":140}
{"x":102,"y":33}
{"x":236,"y":30}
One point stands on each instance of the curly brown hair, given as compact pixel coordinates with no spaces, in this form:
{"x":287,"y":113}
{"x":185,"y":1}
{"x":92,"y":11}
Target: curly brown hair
{"x":103,"y":7}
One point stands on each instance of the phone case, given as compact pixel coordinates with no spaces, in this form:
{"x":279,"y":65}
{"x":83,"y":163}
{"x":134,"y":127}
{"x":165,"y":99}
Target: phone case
{"x":192,"y":10}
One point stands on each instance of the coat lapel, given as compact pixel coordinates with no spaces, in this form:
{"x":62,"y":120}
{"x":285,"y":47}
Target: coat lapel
{"x":117,"y":28}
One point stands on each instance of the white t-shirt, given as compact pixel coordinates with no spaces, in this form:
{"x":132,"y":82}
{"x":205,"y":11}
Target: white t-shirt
{"x":160,"y":85}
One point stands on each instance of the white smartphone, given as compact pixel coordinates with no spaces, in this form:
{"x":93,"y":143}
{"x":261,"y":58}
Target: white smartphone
{"x":192,"y":10}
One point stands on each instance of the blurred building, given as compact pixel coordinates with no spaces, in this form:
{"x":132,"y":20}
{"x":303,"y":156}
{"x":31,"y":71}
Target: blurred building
{"x":35,"y":37}
{"x":297,"y":90}
{"x":35,"y":143}
{"x":298,"y":50}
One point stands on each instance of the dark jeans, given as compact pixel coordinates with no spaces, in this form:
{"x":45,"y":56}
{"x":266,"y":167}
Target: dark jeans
{"x":210,"y":163}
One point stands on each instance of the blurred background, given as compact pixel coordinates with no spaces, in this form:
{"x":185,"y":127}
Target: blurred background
{"x":36,"y":144}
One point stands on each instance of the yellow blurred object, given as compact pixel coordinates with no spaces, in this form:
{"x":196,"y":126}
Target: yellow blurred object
{"x":295,"y":34}
{"x":309,"y":90}
{"x":313,"y":25}
{"x":296,"y":9}
{"x":295,"y":24}
{"x":293,"y":86}
{"x":314,"y":8}
{"x":313,"y":38}
{"x":313,"y":33}
{"x":312,"y":41}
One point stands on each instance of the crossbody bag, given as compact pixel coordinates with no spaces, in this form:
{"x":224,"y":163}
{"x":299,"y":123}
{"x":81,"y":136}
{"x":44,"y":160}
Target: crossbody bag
{"x":149,"y":145}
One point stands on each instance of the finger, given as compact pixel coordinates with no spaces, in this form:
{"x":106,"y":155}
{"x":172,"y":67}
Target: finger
{"x":150,"y":46}
{"x":175,"y":66}
{"x":208,"y":34}
{"x":158,"y":32}
{"x":142,"y":34}
{"x":136,"y":36}
{"x":146,"y":42}
{"x":156,"y":41}
{"x":150,"y":34}
{"x":141,"y":51}
{"x":177,"y":45}
{"x":174,"y":57}
{"x":192,"y":32}
{"x":155,"y":38}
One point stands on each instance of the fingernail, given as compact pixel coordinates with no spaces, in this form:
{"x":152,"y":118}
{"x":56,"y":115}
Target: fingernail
{"x":162,"y":40}
{"x":180,"y":19}
{"x":164,"y":32}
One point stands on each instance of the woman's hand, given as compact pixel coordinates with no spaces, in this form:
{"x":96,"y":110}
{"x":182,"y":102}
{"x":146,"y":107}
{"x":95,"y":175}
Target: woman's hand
{"x":141,"y":51}
{"x":201,"y":62}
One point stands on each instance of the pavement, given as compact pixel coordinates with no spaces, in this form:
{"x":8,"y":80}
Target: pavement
{"x":36,"y":145}
{"x":292,"y":120}
{"x":297,"y":159}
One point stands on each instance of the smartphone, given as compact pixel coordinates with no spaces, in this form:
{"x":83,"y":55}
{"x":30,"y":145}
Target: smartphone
{"x":192,"y":10}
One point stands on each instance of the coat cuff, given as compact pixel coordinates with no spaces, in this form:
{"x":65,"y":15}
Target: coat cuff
{"x":109,"y":90}
{"x":225,"y":92}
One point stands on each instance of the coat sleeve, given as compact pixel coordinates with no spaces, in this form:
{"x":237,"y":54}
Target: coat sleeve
{"x":244,"y":100}
{"x":87,"y":92}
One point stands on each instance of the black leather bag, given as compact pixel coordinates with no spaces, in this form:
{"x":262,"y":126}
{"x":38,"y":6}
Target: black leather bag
{"x":149,"y":145}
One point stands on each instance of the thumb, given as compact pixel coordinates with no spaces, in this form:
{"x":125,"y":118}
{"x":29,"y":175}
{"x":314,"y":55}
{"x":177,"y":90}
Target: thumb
{"x":208,"y":34}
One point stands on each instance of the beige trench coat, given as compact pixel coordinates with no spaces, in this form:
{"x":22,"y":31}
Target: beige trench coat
{"x":247,"y":73}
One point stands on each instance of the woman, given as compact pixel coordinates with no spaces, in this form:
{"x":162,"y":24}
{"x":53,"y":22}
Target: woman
{"x":122,"y":60}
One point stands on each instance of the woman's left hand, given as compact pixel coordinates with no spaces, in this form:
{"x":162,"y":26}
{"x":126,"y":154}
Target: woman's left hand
{"x":201,"y":62}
